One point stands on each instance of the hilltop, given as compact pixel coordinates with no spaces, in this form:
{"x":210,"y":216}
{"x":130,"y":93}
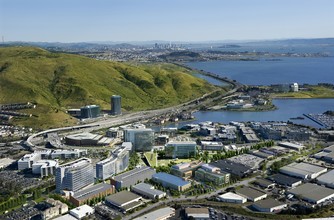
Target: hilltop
{"x":58,"y":81}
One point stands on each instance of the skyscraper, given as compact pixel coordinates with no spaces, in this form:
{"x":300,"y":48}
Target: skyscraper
{"x":74,"y":175}
{"x":116,"y":105}
{"x":141,"y":139}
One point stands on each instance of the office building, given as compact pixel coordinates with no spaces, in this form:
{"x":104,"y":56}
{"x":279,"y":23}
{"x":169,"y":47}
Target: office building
{"x":181,"y":149}
{"x":75,"y":175}
{"x":99,"y":190}
{"x":90,"y":111}
{"x":68,"y":154}
{"x":118,"y":162}
{"x":142,"y":139}
{"x":185,"y":170}
{"x":116,"y":106}
{"x":170,"y":181}
{"x":148,"y":191}
{"x":211,"y":174}
{"x":132,"y":177}
{"x":28,"y":160}
{"x":45,"y":167}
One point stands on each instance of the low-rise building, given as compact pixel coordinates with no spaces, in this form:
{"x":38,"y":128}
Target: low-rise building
{"x":124,"y":200}
{"x":285,"y":180}
{"x":68,"y":154}
{"x":312,"y":193}
{"x":53,"y":208}
{"x":209,"y":173}
{"x":231,"y":198}
{"x":269,"y":205}
{"x":170,"y":181}
{"x":296,"y":147}
{"x":264,"y":183}
{"x":45,"y":167}
{"x":82,"y":211}
{"x":239,"y":170}
{"x":327,"y":179}
{"x":197,"y":213}
{"x":252,"y":194}
{"x":160,"y":214}
{"x":303,"y":170}
{"x":82,"y":196}
{"x":181,"y":149}
{"x":132,"y":177}
{"x":185,"y":170}
{"x":28,"y":160}
{"x":148,"y":191}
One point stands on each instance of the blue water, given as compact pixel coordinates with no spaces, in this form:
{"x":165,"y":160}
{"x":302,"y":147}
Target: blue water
{"x":311,"y":70}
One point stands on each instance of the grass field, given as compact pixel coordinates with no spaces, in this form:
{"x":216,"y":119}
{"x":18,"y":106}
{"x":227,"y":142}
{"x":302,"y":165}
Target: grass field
{"x":58,"y":81}
{"x":167,"y":161}
{"x":151,"y":158}
{"x":311,"y":92}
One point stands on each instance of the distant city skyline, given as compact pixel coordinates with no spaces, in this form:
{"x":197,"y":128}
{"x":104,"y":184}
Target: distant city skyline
{"x":164,"y":20}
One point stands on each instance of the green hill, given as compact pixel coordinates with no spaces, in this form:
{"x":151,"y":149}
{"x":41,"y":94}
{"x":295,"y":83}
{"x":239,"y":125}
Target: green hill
{"x":57,"y":81}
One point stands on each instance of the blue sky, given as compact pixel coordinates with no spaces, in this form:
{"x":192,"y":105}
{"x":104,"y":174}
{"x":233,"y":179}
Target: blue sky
{"x":170,"y":20}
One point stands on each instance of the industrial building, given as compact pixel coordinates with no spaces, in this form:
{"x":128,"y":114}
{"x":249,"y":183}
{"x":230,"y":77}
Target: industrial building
{"x":160,"y":214}
{"x":87,"y":139}
{"x":264,"y":183}
{"x":233,"y":168}
{"x":312,"y":193}
{"x":118,"y":162}
{"x":124,"y":200}
{"x":296,"y":147}
{"x":82,"y":196}
{"x":197,"y":213}
{"x":212,"y":145}
{"x":82,"y":211}
{"x":142,"y":139}
{"x":90,"y":111}
{"x":327,"y":154}
{"x":170,"y":181}
{"x":269,"y":205}
{"x":285,"y":180}
{"x":209,"y":173}
{"x":116,"y":106}
{"x":28,"y":160}
{"x":232,"y":198}
{"x":74,"y":175}
{"x":252,"y":194}
{"x":45,"y":167}
{"x":303,"y":170}
{"x":132,"y":177}
{"x":185,"y":170}
{"x":181,"y":149}
{"x":327,"y":179}
{"x":68,"y":154}
{"x":148,"y":191}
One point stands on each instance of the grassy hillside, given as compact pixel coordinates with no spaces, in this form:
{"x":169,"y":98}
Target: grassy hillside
{"x":311,"y":91}
{"x":57,"y":81}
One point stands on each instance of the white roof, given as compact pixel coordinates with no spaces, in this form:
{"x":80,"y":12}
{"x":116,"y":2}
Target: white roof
{"x":65,"y":217}
{"x":157,"y":214}
{"x":82,"y":210}
{"x":46,"y":163}
{"x":230,"y":195}
{"x":327,"y":178}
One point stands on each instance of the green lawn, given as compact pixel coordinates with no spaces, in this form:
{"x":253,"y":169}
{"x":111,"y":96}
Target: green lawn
{"x":152,"y":158}
{"x":167,"y":161}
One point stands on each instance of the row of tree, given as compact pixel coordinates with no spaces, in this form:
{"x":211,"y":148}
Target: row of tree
{"x":11,"y":203}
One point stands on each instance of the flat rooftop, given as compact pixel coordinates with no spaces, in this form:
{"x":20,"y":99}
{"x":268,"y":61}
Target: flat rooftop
{"x":92,"y":190}
{"x":250,"y":192}
{"x":327,"y":178}
{"x":168,"y":178}
{"x":157,"y":214}
{"x":302,"y":168}
{"x":230,"y":195}
{"x":284,"y":179}
{"x":268,"y":203}
{"x":122,"y":197}
{"x":312,"y":191}
{"x":131,"y":173}
{"x":148,"y":189}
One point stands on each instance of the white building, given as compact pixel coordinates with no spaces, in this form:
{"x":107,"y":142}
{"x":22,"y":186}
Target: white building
{"x":231,"y":198}
{"x":148,"y":191}
{"x":160,"y":214}
{"x":28,"y":160}
{"x":327,"y":179}
{"x":82,"y":211}
{"x":303,"y":170}
{"x":45,"y":167}
{"x":269,"y":205}
{"x":294,"y":87}
{"x":67,"y":154}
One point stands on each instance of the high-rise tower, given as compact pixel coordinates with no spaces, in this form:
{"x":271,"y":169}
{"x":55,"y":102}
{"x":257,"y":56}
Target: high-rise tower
{"x":116,"y":105}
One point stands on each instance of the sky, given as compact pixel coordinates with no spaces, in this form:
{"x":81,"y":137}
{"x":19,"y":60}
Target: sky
{"x":169,"y":20}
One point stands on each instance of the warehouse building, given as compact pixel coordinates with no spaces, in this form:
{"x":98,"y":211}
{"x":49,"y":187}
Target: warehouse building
{"x":269,"y":205}
{"x":124,"y":200}
{"x":285,"y":180}
{"x":170,"y":181}
{"x":312,"y":193}
{"x":252,"y":194}
{"x":232,"y":198}
{"x":303,"y":170}
{"x":327,"y":179}
{"x":264,"y":183}
{"x":160,"y":214}
{"x":148,"y":191}
{"x":197,"y":213}
{"x":132,"y":177}
{"x":233,"y":168}
{"x":296,"y":147}
{"x":82,"y":196}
